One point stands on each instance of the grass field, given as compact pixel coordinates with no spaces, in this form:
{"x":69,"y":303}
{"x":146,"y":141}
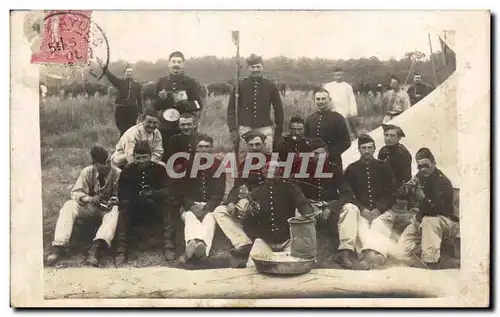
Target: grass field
{"x":69,"y":127}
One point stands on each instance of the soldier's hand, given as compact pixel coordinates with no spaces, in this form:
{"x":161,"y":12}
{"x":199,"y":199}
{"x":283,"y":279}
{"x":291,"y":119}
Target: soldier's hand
{"x":326,"y":214}
{"x":366,"y":213}
{"x":376,"y":213}
{"x":419,"y":193}
{"x":279,"y":140}
{"x":94,"y":199}
{"x":162,"y":94}
{"x":235,"y":136}
{"x":231,"y":208}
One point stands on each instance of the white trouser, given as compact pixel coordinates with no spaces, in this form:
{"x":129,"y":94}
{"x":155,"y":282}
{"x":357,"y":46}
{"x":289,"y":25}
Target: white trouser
{"x":426,"y":238}
{"x":194,"y":229}
{"x":357,"y":234}
{"x":261,"y":247}
{"x":231,"y":227}
{"x":72,"y":210}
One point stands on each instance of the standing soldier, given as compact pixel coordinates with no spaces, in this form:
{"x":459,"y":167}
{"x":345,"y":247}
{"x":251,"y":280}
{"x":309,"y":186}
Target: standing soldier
{"x":396,"y":154}
{"x":418,"y":90}
{"x":256,"y":96}
{"x":342,"y":95}
{"x":328,"y":125}
{"x":129,"y":101}
{"x":396,"y":100}
{"x":177,"y":94}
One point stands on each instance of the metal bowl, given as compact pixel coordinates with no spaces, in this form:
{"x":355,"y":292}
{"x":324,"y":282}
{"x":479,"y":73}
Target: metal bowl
{"x":171,"y":115}
{"x":282,"y":263}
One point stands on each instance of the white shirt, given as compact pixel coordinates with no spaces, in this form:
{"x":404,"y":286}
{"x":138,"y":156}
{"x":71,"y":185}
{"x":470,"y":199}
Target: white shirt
{"x":343,"y":99}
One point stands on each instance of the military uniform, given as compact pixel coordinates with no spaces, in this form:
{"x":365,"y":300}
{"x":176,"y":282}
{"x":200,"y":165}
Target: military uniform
{"x":417,"y":92}
{"x":292,"y":144}
{"x":330,"y":126}
{"x":436,"y":220}
{"x":256,"y":96}
{"x":129,"y":101}
{"x":268,"y":225}
{"x":182,"y":143}
{"x":176,"y":83}
{"x":399,"y":160}
{"x":373,"y":187}
{"x":134,"y":207}
{"x":207,"y":192}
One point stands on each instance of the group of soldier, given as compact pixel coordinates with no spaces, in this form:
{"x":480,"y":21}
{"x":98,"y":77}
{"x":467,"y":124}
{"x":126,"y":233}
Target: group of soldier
{"x":134,"y":182}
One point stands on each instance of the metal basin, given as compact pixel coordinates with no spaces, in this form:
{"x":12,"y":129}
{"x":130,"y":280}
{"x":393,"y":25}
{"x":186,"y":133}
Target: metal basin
{"x":282,"y":263}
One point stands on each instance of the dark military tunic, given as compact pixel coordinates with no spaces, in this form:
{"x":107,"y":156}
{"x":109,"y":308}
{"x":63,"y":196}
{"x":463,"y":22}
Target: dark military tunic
{"x":324,"y":189}
{"x":174,"y":83}
{"x":292,"y":144}
{"x":256,"y":96}
{"x":254,"y":178}
{"x":438,"y":191}
{"x":373,"y":184}
{"x":277,"y":200}
{"x":182,"y":143}
{"x":399,"y":159}
{"x":203,"y":187}
{"x":129,"y":101}
{"x":129,"y":91}
{"x":331,"y":127}
{"x":418,"y":92}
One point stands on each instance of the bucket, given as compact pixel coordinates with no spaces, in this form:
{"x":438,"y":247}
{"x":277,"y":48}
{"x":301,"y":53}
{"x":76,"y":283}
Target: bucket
{"x":303,"y":237}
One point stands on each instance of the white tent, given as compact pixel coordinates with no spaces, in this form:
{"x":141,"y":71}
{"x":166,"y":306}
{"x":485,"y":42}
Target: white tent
{"x":431,"y":123}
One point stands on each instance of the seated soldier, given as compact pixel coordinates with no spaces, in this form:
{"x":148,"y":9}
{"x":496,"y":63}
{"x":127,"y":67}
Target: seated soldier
{"x":147,"y":131}
{"x":202,"y":192}
{"x":372,"y":220}
{"x":396,"y":155}
{"x":293,"y":142}
{"x":94,"y":194}
{"x":265,"y":218}
{"x":144,"y":190}
{"x":183,"y":142}
{"x":434,"y":220}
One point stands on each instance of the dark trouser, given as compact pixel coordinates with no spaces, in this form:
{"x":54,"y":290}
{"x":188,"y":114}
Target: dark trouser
{"x":125,"y":117}
{"x":134,"y":212}
{"x":166,"y":134}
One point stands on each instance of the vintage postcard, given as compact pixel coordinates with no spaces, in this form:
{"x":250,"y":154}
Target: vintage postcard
{"x":250,"y":158}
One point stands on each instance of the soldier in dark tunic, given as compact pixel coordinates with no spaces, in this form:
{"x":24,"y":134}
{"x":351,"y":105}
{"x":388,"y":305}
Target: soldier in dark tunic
{"x":328,"y":125}
{"x":396,"y":155}
{"x":145,"y":192}
{"x":184,"y":141}
{"x":176,"y":91}
{"x":256,"y":96}
{"x":372,"y":220}
{"x":418,"y":90}
{"x":202,"y":192}
{"x":265,"y":220}
{"x":129,"y":101}
{"x":434,"y":219}
{"x":293,"y":142}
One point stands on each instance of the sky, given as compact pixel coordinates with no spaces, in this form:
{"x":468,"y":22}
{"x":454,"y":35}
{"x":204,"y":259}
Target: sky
{"x":150,"y":35}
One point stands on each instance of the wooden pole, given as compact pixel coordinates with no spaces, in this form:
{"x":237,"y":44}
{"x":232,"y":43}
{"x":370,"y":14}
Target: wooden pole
{"x":236,"y":41}
{"x":432,"y":61}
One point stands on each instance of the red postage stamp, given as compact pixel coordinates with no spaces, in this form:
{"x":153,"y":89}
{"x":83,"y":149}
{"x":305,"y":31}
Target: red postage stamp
{"x":65,"y":37}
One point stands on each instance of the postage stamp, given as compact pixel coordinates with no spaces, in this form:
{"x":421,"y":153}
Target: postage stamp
{"x":236,"y":163}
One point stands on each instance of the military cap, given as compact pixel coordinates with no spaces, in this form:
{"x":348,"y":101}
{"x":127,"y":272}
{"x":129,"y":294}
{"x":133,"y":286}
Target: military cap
{"x":417,"y":74}
{"x":252,"y":134}
{"x":317,"y":143}
{"x":386,"y":127}
{"x":365,"y":138}
{"x":254,"y":59}
{"x":425,"y":153}
{"x":176,"y":54}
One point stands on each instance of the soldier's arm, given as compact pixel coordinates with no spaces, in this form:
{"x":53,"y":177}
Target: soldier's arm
{"x":389,"y":189}
{"x":195,"y":94}
{"x":157,"y":148}
{"x":115,"y":81}
{"x":140,"y":99}
{"x":441,"y":203}
{"x":81,"y":189}
{"x":341,"y":138}
{"x":278,"y":109}
{"x":126,"y":187}
{"x":301,"y":202}
{"x":217,"y":195}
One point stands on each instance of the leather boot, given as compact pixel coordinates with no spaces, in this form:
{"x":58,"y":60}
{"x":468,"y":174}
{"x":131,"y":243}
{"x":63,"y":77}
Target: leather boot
{"x":57,"y":253}
{"x":94,"y":257}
